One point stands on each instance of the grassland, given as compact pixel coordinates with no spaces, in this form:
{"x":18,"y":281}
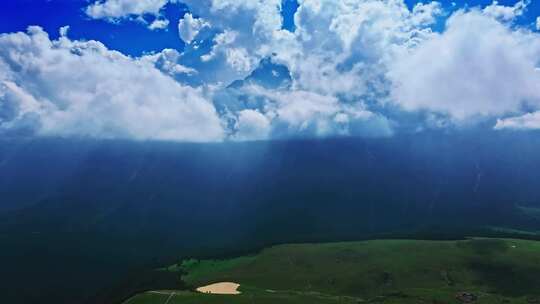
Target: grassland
{"x":380,"y":271}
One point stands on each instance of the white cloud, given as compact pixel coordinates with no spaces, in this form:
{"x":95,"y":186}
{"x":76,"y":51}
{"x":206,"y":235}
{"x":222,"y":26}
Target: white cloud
{"x":300,"y":113}
{"x":538,"y":23}
{"x":425,"y":13}
{"x":351,"y":63}
{"x":75,"y":88}
{"x":252,"y":125}
{"x":381,"y":51}
{"x":159,"y":24}
{"x":506,"y":13}
{"x":189,"y":27}
{"x":221,"y":42}
{"x":337,"y":57}
{"x":529,"y":121}
{"x":239,"y":59}
{"x":250,"y":23}
{"x":114,"y":9}
{"x":168,"y":62}
{"x":263,"y":15}
{"x":477,"y":67}
{"x":64,"y":30}
{"x":307,"y":112}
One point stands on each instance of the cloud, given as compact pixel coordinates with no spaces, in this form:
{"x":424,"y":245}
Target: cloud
{"x":350,"y":68}
{"x":221,"y":42}
{"x":305,"y":112}
{"x":189,"y":27}
{"x":239,"y":59}
{"x":529,"y":121}
{"x":382,"y":52}
{"x":298,"y":113}
{"x":478,"y":67}
{"x":538,"y":23}
{"x":237,"y":31}
{"x":338,"y":48}
{"x":81,"y":88}
{"x":252,"y":125}
{"x":506,"y":13}
{"x":167,"y":61}
{"x":338,"y":53}
{"x":116,"y":10}
{"x":159,"y":24}
{"x":64,"y":30}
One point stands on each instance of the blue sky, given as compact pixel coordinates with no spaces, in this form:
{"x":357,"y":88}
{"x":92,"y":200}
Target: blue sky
{"x":163,"y":69}
{"x":129,"y":37}
{"x":134,"y":38}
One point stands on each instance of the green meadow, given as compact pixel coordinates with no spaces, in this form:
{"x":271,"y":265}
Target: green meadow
{"x":379,"y":271}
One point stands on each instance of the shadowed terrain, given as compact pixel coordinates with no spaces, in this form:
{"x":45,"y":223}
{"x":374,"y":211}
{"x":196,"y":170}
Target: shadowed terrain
{"x":109,"y":209}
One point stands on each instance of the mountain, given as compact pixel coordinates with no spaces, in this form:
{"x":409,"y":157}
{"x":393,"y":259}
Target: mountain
{"x":95,"y":211}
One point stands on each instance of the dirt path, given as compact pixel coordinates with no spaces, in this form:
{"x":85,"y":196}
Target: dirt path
{"x":169,"y":298}
{"x":228,"y":288}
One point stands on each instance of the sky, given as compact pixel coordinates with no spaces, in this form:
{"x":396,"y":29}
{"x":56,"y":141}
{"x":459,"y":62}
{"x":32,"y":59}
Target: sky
{"x":229,"y":70}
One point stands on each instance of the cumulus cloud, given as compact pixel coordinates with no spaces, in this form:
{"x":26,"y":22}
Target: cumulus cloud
{"x":252,"y":125}
{"x":159,"y":24}
{"x":64,"y":30}
{"x":75,"y":88}
{"x":115,"y":10}
{"x":124,"y":8}
{"x":350,"y":67}
{"x":506,"y":13}
{"x":538,"y":23}
{"x":221,"y":42}
{"x":336,"y":58}
{"x":299,"y":113}
{"x":239,"y":59}
{"x":240,"y":30}
{"x":477,"y":67}
{"x":364,"y":53}
{"x":168,"y":62}
{"x":338,"y":47}
{"x":529,"y":121}
{"x":302,"y":112}
{"x":189,"y":27}
{"x":354,"y":48}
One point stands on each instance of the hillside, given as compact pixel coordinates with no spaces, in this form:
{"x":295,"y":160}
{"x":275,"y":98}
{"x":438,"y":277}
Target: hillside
{"x":110,"y":209}
{"x":380,"y":271}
